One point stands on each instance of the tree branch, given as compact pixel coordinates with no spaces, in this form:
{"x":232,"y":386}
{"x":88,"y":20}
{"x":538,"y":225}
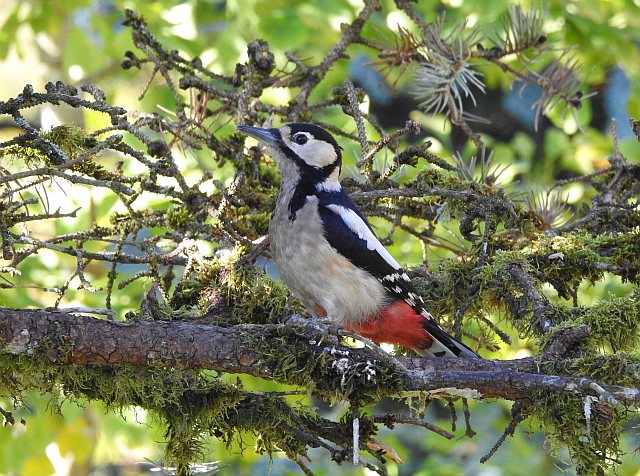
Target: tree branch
{"x":81,"y":340}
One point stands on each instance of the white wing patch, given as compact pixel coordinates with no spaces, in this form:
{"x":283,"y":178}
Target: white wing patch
{"x":360,"y":228}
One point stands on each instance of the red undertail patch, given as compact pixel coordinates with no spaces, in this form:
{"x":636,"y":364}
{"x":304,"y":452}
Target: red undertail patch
{"x":398,"y":323}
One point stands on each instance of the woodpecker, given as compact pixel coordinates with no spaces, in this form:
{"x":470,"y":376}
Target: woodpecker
{"x":327,"y":252}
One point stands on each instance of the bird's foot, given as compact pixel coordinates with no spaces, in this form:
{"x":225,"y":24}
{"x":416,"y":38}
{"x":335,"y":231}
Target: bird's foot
{"x":323,"y":325}
{"x":327,"y":327}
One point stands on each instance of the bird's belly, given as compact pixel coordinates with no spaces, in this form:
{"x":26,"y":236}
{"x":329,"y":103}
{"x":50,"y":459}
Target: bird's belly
{"x":318,"y":275}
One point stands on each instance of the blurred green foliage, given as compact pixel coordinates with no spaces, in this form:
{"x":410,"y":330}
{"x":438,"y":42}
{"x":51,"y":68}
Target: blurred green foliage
{"x":84,"y":41}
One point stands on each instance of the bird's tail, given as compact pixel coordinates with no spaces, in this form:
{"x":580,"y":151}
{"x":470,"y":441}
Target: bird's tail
{"x":444,"y":345}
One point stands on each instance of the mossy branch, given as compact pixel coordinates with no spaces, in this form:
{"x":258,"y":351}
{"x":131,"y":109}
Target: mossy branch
{"x":74,"y":339}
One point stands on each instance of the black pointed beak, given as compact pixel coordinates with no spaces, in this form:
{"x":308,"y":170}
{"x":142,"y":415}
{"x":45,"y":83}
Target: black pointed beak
{"x":267,"y":136}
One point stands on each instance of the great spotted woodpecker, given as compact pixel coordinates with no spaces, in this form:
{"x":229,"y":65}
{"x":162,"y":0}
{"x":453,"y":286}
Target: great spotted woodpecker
{"x":329,"y":256}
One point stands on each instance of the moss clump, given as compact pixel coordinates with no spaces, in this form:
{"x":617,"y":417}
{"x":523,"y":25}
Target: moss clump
{"x":288,"y":354}
{"x":255,"y":297}
{"x":28,"y":155}
{"x":178,"y":218}
{"x":589,"y":430}
{"x":615,"y":322}
{"x":198,"y":410}
{"x":73,"y":141}
{"x":253,"y":225}
{"x":250,"y":293}
{"x":277,"y":424}
{"x":613,"y":369}
{"x":246,"y":292}
{"x":189,"y":402}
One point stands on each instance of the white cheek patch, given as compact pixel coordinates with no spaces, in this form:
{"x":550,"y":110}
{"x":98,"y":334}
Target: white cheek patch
{"x":360,"y":228}
{"x":316,"y":153}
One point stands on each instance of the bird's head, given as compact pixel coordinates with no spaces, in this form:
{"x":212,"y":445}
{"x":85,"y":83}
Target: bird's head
{"x":304,"y":153}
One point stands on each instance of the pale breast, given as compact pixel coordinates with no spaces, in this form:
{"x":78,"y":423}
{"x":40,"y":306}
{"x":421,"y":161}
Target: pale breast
{"x":316,"y":273}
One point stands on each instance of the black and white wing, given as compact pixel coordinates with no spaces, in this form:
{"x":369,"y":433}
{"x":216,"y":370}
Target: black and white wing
{"x":348,"y":231}
{"x":350,"y":234}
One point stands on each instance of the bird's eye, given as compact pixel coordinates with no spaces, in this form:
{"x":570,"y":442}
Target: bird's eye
{"x":300,"y":138}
